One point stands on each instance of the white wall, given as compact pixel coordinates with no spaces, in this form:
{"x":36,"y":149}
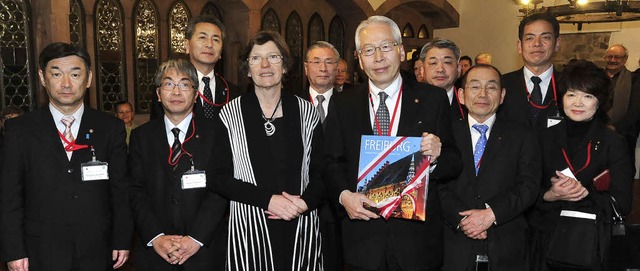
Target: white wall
{"x":492,"y":26}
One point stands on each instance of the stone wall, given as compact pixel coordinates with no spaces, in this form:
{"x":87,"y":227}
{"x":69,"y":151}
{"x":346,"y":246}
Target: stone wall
{"x":588,"y":46}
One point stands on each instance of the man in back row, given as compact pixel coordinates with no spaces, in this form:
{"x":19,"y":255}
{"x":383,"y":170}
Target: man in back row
{"x":441,"y":69}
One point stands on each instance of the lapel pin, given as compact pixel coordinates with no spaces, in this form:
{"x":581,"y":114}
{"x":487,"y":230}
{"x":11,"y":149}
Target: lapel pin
{"x":91,"y":131}
{"x":417,"y":101}
{"x":197,"y":136}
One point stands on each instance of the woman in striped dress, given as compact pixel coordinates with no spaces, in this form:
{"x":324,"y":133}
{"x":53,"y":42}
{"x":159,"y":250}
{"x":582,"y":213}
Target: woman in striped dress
{"x":270,"y":168}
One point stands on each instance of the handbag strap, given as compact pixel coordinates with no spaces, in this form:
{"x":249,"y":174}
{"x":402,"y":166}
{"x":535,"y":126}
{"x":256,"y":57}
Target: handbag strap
{"x":616,"y":213}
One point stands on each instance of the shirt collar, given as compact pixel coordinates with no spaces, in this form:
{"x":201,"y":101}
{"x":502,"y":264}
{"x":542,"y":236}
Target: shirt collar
{"x":327,"y":94}
{"x":183,"y":125}
{"x":392,"y":90}
{"x":57,"y":115}
{"x":450,"y":93}
{"x":489,"y":122}
{"x":545,"y":76}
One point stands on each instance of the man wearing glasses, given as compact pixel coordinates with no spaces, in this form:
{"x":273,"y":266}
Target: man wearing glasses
{"x":392,"y":106}
{"x":625,"y":92}
{"x":177,"y":216}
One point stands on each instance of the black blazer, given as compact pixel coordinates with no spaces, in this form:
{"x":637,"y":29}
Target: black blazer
{"x":458,"y":111}
{"x":418,"y":245}
{"x":608,"y":151}
{"x":46,"y":205}
{"x":225,"y":92}
{"x":516,"y":106}
{"x":159,"y":203}
{"x":508,"y":181}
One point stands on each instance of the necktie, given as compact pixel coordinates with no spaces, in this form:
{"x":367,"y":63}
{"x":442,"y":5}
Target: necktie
{"x":536,"y":98}
{"x":68,"y":135}
{"x":176,"y":148}
{"x":208,"y":108}
{"x":482,"y":142}
{"x":382,"y":115}
{"x":320,"y":108}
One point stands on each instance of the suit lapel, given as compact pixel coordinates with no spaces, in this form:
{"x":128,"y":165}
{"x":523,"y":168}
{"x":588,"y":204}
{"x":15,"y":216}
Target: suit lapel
{"x":466,"y":148}
{"x":84,"y":137}
{"x":409,"y":111}
{"x":47,"y":132}
{"x":362,"y":111}
{"x":494,"y":145}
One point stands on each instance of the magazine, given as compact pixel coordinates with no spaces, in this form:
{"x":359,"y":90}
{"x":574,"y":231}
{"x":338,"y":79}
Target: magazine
{"x":395,"y":175}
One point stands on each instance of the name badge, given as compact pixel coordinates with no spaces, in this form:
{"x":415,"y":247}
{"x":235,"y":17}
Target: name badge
{"x":194,"y":179}
{"x":551,"y":121}
{"x":94,"y":171}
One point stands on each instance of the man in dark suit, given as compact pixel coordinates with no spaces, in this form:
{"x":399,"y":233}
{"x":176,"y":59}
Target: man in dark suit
{"x":177,"y":217}
{"x":441,"y":69}
{"x":203,"y":43}
{"x":342,"y":77}
{"x":411,"y":109}
{"x":321,"y":67}
{"x":533,"y":90}
{"x":500,"y":178}
{"x":64,"y":201}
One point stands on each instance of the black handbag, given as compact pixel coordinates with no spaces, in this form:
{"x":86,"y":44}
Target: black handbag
{"x":575,"y":243}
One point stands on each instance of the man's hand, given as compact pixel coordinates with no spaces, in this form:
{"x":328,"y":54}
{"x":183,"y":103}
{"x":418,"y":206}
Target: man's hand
{"x":187,"y":247}
{"x":120,"y":257}
{"x":430,"y":145}
{"x":352,"y":203}
{"x":476,"y":222}
{"x":565,"y":188}
{"x":163,"y":245}
{"x":19,"y":265}
{"x":283,"y":208}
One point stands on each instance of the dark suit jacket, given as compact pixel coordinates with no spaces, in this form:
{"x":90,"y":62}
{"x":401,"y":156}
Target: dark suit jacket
{"x":458,"y":111}
{"x":418,"y":245}
{"x":608,"y":151}
{"x":224,"y":93}
{"x":47,"y":209}
{"x":508,"y":181}
{"x":159,"y":203}
{"x":516,"y":105}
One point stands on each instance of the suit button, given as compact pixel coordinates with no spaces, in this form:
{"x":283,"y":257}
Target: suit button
{"x":75,"y":196}
{"x":174,"y":200}
{"x":70,"y":170}
{"x":477,"y":197}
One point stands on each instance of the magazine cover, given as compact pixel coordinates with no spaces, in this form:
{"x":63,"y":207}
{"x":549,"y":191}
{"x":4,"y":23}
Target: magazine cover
{"x":394,"y":174}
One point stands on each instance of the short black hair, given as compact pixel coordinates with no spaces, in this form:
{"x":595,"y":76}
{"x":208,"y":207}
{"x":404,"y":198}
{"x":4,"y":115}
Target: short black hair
{"x":542,"y":16}
{"x":191,"y":26}
{"x":59,"y":50}
{"x":467,"y":58}
{"x":477,"y":66}
{"x":585,"y":76}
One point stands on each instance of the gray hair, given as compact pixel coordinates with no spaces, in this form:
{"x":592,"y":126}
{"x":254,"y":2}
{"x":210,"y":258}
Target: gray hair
{"x":180,"y":66}
{"x":486,"y":56}
{"x":626,"y":52}
{"x":321,"y":44}
{"x":378,"y":20}
{"x":440,"y":44}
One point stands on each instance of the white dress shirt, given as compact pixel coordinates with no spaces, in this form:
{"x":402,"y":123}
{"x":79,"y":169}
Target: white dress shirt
{"x":212,"y":84}
{"x":393,"y":92}
{"x":475,"y":135}
{"x":327,"y":96}
{"x":544,"y":85}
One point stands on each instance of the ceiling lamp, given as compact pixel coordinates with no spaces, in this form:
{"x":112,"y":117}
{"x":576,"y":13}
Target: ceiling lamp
{"x":584,"y":11}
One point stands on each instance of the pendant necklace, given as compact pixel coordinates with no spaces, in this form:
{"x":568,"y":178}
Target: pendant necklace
{"x":269,"y":128}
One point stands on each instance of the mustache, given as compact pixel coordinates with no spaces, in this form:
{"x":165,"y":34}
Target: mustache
{"x":612,"y":63}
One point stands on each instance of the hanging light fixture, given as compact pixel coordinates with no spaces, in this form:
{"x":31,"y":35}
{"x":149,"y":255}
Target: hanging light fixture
{"x":583,"y":11}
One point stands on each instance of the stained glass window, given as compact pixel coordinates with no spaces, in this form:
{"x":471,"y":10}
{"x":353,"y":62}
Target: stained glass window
{"x":408,"y":31}
{"x":270,"y":21}
{"x":76,"y":23}
{"x":423,"y":33}
{"x":178,"y":20}
{"x":146,"y":54}
{"x":336,"y":34}
{"x":293,"y":37}
{"x":110,"y":54}
{"x":17,"y":82}
{"x":316,"y":29}
{"x":211,"y":9}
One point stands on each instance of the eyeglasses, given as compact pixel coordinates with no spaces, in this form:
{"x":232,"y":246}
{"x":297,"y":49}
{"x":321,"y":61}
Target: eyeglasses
{"x":273,"y":59}
{"x":610,"y":57}
{"x":369,"y":50}
{"x":317,"y":62}
{"x":169,"y":86}
{"x":490,"y":89}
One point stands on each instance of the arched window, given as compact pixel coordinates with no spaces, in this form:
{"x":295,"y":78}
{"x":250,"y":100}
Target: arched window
{"x":211,"y":9}
{"x":407,"y":32}
{"x":76,"y":23}
{"x":336,"y":34}
{"x":111,"y":81}
{"x":423,"y":33}
{"x":293,"y":36}
{"x":145,"y":28}
{"x":178,"y":20}
{"x":316,"y":29}
{"x":270,"y":21}
{"x":18,"y":80}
